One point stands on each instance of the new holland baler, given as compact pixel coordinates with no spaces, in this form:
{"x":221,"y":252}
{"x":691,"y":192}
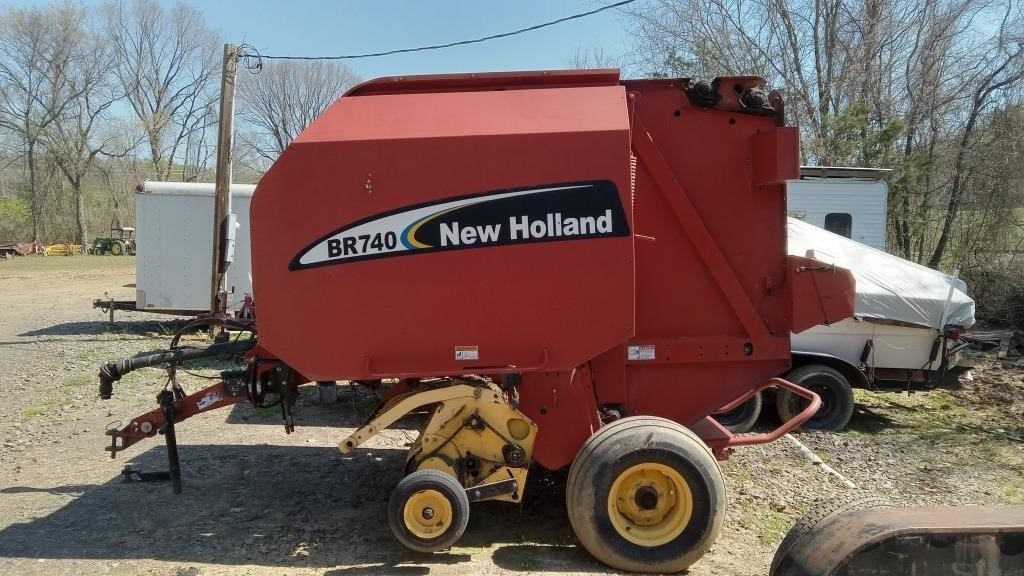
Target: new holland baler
{"x":563,"y":268}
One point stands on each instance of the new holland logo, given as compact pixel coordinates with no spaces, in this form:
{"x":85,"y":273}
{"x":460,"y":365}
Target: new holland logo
{"x":550,"y":213}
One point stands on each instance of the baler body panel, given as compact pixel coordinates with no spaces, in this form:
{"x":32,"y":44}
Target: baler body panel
{"x":713,"y":240}
{"x":677,"y":301}
{"x":450,"y":304}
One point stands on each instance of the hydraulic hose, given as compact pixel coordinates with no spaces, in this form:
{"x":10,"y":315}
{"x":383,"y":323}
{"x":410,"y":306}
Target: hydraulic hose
{"x":114,"y":371}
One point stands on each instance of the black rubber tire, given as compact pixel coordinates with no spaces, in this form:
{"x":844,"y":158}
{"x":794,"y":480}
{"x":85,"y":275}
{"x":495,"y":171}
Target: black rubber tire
{"x":117,"y":248}
{"x":834,"y":390}
{"x":741,"y":418}
{"x":428,"y":480}
{"x":822,"y":511}
{"x":625,"y":443}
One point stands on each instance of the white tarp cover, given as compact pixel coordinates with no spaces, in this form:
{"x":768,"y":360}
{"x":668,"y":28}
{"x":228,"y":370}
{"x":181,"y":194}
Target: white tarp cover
{"x":888,"y":287}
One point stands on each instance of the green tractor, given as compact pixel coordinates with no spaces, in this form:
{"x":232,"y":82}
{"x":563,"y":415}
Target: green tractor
{"x":122,"y":241}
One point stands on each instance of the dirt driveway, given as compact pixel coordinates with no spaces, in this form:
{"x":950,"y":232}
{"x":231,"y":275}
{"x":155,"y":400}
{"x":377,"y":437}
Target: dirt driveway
{"x":258,"y":501}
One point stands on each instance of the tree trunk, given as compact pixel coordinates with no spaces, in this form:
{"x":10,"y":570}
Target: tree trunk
{"x":956,"y":190}
{"x":80,"y":222}
{"x":37,"y":208}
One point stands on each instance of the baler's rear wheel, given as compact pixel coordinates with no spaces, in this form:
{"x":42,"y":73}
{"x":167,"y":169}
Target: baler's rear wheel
{"x":646,"y":495}
{"x":428,"y":511}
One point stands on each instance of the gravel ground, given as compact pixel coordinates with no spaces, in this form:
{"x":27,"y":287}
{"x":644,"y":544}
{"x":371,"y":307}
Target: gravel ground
{"x":258,"y":501}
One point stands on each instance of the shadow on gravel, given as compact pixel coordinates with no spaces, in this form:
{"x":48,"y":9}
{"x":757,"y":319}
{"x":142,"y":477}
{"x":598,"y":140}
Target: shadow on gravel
{"x":68,"y":489}
{"x":131,"y":327}
{"x":335,"y":415}
{"x":354,"y":407}
{"x":868,"y":421}
{"x":281,"y":505}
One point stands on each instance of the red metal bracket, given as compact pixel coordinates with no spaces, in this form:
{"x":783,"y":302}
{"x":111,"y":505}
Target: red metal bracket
{"x":150,"y":423}
{"x":786,"y":427}
{"x":721,"y":441}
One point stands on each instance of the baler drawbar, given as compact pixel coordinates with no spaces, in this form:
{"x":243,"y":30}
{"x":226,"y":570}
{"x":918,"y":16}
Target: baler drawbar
{"x":564,"y":269}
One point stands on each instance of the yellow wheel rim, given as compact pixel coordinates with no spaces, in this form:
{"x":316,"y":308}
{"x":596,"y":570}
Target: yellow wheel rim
{"x":427,"y":514}
{"x":650,"y":504}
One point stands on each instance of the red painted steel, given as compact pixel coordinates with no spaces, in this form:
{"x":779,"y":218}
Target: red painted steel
{"x":149,"y":424}
{"x":679,"y":301}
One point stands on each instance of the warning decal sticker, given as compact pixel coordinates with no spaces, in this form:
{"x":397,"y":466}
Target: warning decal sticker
{"x":645,"y":352}
{"x":467,"y":353}
{"x":549,"y":213}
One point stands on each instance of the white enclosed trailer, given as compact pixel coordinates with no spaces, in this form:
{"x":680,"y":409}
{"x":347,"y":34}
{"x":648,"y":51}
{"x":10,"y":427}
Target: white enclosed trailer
{"x":850,"y":202}
{"x":174,"y":227}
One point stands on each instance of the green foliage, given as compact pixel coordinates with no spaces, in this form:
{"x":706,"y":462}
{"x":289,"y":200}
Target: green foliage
{"x":15,"y":218}
{"x":856,"y":137}
{"x":15,"y":209}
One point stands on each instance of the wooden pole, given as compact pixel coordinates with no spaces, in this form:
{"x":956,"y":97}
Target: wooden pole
{"x":222,"y":196}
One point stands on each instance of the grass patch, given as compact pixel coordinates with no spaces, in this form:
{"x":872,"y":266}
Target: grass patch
{"x":266,"y":412}
{"x":98,"y":354}
{"x":33,"y":411}
{"x":1013,"y":494}
{"x":79,"y":380}
{"x":773,"y":526}
{"x":80,"y":262}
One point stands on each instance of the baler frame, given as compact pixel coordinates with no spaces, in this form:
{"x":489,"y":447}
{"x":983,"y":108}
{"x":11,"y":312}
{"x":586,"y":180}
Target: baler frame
{"x":612,"y":344}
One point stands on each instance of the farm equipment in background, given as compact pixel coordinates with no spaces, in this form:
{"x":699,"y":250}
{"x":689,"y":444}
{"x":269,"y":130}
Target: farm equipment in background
{"x":21,"y":249}
{"x":64,"y":249}
{"x":564,"y":269}
{"x":120,"y":242}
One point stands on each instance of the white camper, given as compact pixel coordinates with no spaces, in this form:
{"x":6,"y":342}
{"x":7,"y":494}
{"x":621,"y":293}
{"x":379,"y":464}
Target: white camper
{"x":850,"y":202}
{"x":174,"y":223}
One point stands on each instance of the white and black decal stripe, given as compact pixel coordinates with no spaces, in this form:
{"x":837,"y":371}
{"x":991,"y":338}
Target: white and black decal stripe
{"x":548,"y":213}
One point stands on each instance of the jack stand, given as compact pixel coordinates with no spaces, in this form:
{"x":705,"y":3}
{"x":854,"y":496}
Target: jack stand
{"x":166,"y":400}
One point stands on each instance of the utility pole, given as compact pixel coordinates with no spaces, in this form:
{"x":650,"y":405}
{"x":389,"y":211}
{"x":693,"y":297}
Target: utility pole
{"x":223,"y":219}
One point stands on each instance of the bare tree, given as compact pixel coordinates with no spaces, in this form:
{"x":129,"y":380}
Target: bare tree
{"x":594,"y":58}
{"x":895,"y":83}
{"x":167,"y":63}
{"x":36,"y":87}
{"x":78,"y":135}
{"x":279,"y":102}
{"x":1002,"y":67}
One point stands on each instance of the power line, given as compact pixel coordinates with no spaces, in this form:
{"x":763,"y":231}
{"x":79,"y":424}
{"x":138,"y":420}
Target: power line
{"x":253,"y":57}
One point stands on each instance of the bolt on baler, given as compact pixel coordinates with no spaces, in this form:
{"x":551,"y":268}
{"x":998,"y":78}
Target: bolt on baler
{"x":564,"y":268}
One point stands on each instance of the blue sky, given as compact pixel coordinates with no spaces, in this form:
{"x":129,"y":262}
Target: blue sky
{"x":325,"y":27}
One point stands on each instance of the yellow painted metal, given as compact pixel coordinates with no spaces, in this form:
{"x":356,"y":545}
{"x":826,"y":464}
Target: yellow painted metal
{"x":400,"y":407}
{"x":427,"y":514}
{"x":62,"y":249}
{"x":518,"y":428}
{"x":650,"y":504}
{"x":440,"y":465}
{"x":471,"y":434}
{"x":471,"y":429}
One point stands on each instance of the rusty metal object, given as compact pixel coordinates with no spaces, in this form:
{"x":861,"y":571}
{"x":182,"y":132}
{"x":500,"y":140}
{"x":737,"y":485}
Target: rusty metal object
{"x":933,"y":541}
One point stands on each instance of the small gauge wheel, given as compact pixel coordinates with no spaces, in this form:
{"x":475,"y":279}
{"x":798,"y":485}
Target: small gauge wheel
{"x":428,"y":511}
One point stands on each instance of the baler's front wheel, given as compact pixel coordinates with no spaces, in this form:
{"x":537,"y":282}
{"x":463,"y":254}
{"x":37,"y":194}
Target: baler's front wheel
{"x":646,"y":495}
{"x":428,"y":511}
